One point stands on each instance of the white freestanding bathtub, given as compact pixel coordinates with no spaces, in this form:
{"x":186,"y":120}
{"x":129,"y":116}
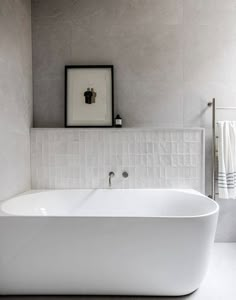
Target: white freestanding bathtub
{"x":107,"y":242}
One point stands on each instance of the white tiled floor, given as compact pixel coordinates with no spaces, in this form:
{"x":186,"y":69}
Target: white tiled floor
{"x":219,"y":284}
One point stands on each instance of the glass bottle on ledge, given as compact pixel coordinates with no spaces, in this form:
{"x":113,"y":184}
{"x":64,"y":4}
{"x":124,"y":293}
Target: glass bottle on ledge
{"x":118,"y":121}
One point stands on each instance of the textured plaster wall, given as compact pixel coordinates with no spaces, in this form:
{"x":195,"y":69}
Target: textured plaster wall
{"x":15,"y":96}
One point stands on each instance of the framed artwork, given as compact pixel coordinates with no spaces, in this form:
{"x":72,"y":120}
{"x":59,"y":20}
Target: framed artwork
{"x":89,"y":96}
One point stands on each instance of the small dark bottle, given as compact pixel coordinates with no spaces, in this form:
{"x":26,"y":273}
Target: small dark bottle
{"x":118,"y":121}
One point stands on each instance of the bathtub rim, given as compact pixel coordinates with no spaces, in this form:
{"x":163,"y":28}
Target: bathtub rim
{"x":189,"y":191}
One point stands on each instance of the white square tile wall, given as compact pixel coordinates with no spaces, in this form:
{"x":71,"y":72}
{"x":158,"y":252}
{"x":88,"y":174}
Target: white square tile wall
{"x":82,"y":158}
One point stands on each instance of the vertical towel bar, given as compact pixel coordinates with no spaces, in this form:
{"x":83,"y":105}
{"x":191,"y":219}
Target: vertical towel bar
{"x":213,"y":105}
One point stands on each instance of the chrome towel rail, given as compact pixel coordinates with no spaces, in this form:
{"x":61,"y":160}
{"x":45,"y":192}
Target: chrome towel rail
{"x":213,"y":105}
{"x":214,"y":137}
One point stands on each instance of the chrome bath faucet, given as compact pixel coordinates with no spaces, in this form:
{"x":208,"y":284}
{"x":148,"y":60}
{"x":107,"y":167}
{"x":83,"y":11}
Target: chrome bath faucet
{"x":111,"y":174}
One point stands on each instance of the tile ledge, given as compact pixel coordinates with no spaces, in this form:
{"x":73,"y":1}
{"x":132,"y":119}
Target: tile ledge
{"x":120,"y":129}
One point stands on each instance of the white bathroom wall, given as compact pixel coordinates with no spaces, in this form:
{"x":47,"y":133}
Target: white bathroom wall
{"x":82,"y":158}
{"x":170,"y":56}
{"x":15,"y":96}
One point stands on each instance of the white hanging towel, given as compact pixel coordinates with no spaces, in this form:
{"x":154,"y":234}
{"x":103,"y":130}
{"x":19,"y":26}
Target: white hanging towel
{"x":227,"y":159}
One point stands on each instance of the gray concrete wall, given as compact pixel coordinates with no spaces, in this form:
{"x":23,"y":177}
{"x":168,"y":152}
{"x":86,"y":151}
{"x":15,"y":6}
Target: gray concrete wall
{"x":15,"y":96}
{"x":170,"y":56}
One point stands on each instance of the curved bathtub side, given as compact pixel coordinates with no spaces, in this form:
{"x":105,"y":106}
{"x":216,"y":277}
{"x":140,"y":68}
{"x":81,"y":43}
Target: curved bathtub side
{"x":192,"y":254}
{"x":104,"y":256}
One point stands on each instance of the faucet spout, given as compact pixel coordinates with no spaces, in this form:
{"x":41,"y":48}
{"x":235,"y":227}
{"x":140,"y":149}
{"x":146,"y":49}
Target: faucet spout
{"x":111,"y":174}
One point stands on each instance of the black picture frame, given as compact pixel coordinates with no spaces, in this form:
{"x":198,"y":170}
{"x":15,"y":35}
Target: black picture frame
{"x":68,"y":67}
